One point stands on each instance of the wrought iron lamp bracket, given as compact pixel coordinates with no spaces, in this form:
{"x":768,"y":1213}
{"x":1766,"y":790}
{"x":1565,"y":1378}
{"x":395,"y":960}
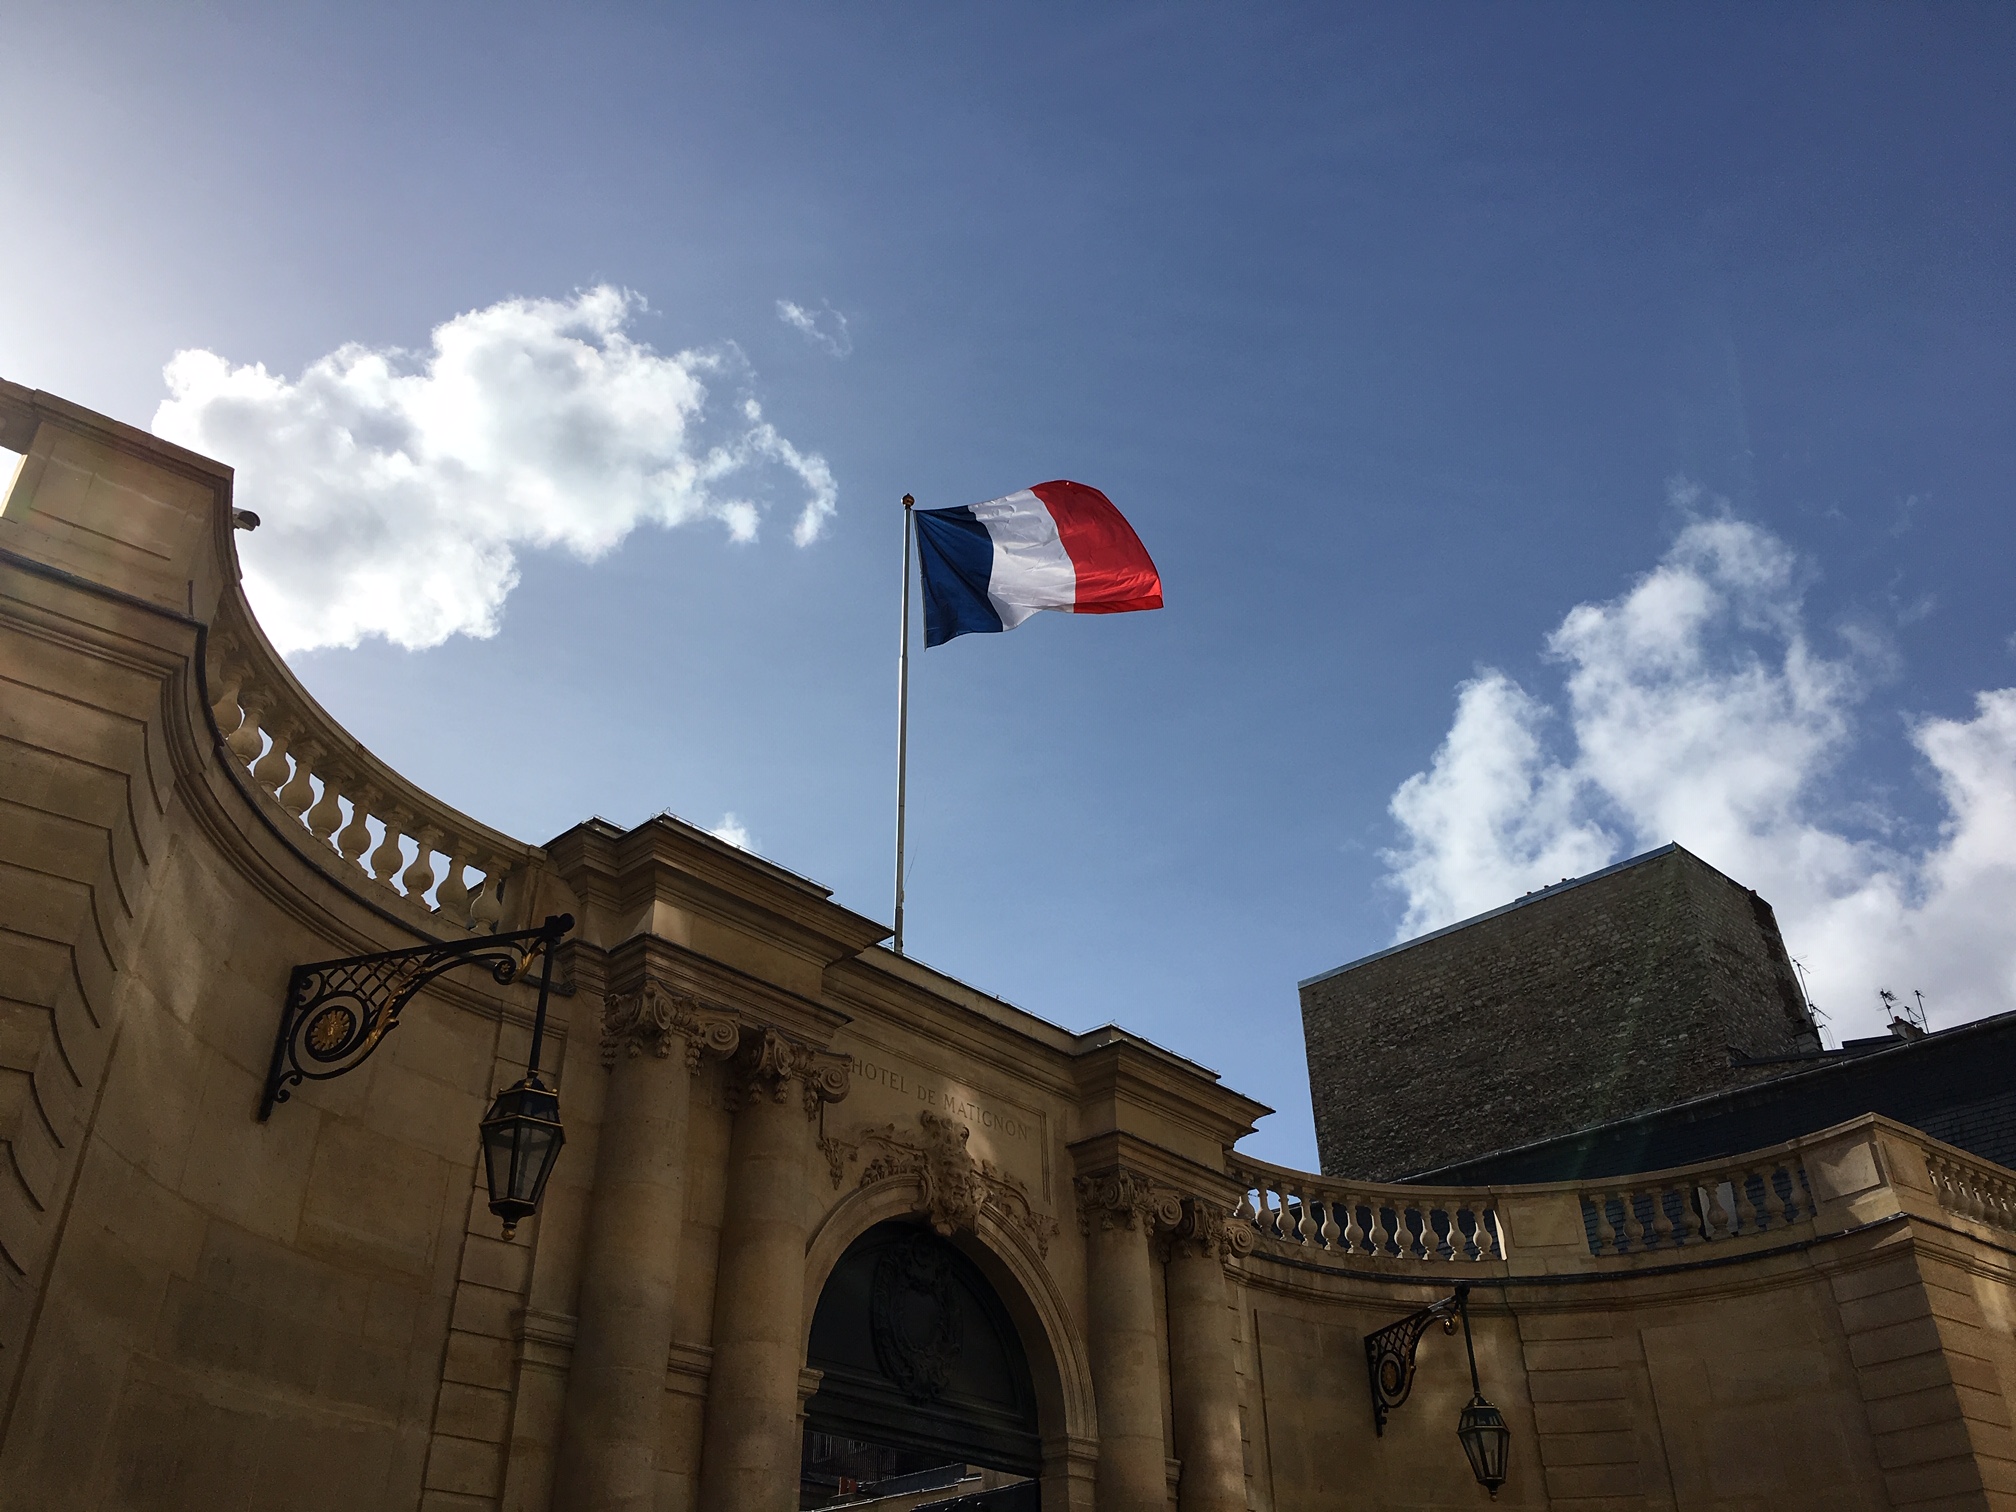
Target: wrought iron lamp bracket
{"x":1389,"y":1352}
{"x":338,"y":1012}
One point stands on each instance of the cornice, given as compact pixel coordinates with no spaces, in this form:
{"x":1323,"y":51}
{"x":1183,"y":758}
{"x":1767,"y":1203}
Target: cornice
{"x":621,"y":875}
{"x":1120,"y":1072}
{"x":1115,"y":1149}
{"x":755,"y":1001}
{"x":22,"y":408}
{"x":885,"y":1000}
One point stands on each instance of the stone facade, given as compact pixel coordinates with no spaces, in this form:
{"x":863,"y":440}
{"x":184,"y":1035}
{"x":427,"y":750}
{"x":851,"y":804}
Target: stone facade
{"x":201,"y":1310}
{"x":1588,"y":1001}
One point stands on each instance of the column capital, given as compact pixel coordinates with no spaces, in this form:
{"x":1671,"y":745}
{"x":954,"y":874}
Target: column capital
{"x":655,"y":1015}
{"x":769,"y":1061}
{"x":1205,"y":1230}
{"x":1120,"y":1197}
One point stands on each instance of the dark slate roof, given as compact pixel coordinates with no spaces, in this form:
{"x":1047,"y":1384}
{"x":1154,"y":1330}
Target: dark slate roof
{"x":1958,"y":1085}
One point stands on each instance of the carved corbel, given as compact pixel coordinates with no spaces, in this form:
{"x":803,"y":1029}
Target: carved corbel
{"x":769,"y":1061}
{"x":1120,"y":1198}
{"x":1205,"y":1228}
{"x":655,"y":1015}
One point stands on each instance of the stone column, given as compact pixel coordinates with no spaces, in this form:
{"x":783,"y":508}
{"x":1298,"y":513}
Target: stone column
{"x":750,"y":1448}
{"x":652,"y":1042}
{"x":1116,"y":1210}
{"x":1203,"y":1380}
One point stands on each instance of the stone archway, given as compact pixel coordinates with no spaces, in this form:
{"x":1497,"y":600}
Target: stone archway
{"x":929,"y":1178}
{"x":924,"y":1380}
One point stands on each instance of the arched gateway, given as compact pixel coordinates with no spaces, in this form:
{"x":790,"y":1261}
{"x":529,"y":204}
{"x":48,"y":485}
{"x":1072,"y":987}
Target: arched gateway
{"x":924,"y":1383}
{"x":785,"y":1143}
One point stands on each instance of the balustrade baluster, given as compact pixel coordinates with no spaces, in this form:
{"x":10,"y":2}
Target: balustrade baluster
{"x":1331,"y":1233}
{"x":1634,"y":1230}
{"x":1692,"y":1228}
{"x":1606,"y":1236}
{"x":299,"y":792}
{"x":418,"y":877}
{"x":1662,"y":1225}
{"x":1305,"y":1221}
{"x":225,"y":710}
{"x":326,"y":816}
{"x":1354,"y":1231}
{"x":1748,"y":1219}
{"x":453,"y":898}
{"x":354,"y":839}
{"x":488,"y":905}
{"x":1723,"y":1222}
{"x":1379,"y":1236}
{"x":390,"y":854}
{"x":1785,"y":1205}
{"x":244,"y":741}
{"x":272,"y":770}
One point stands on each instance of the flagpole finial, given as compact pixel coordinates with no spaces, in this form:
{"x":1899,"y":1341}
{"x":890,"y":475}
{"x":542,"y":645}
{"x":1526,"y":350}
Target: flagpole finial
{"x":908,"y":501}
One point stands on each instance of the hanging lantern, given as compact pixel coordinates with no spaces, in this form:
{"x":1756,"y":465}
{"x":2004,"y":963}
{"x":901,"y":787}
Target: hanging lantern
{"x":1486,"y":1441}
{"x":521,"y":1140}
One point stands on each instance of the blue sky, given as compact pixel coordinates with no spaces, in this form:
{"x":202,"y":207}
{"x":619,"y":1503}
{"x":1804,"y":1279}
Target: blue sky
{"x":1398,"y":332}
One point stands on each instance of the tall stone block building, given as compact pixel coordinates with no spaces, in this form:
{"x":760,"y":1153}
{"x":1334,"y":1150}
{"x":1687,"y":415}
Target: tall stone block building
{"x":1586,"y":1001}
{"x":829,"y":1228}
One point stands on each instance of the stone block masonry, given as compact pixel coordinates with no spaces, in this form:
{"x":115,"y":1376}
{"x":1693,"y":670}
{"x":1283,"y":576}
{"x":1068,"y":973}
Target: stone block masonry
{"x":1594,"y":999}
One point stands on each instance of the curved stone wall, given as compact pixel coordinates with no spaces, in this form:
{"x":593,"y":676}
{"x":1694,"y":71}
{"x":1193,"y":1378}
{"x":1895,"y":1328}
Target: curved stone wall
{"x":199,"y":1309}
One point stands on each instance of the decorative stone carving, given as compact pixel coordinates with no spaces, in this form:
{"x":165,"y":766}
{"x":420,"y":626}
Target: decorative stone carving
{"x":770,"y":1061}
{"x":1205,"y":1228}
{"x":953,"y":1187}
{"x":1121,"y":1198}
{"x":913,"y":1319}
{"x":655,"y":1015}
{"x":838,"y":1153}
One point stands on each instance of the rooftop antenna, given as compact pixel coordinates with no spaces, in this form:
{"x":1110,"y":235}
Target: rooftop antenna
{"x":1825,"y":1023}
{"x":1924,"y":1022}
{"x":1903,"y":1013}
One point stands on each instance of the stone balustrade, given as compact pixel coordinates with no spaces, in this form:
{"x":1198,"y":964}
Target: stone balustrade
{"x":1973,"y":1188}
{"x":1764,"y":1194}
{"x":1431,"y":1224}
{"x":358,"y":818}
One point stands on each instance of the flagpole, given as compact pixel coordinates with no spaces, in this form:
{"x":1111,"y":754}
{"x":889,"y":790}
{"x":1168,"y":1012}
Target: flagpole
{"x":902,"y":719}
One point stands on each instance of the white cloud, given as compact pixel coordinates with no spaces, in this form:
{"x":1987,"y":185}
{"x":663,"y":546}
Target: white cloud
{"x":396,"y":489}
{"x":825,"y":327}
{"x":734,"y":831}
{"x":1698,"y":710}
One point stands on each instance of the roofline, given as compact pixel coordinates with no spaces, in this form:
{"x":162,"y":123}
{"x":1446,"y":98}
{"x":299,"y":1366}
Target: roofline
{"x":1533,"y":897}
{"x":1838,"y":1061}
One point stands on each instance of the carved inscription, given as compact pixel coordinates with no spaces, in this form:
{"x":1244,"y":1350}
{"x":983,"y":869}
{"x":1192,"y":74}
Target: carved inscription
{"x":938,"y":1096}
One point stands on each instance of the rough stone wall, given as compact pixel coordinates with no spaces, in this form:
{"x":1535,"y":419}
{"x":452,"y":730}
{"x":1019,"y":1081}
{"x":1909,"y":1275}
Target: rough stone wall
{"x":1591,"y":1001}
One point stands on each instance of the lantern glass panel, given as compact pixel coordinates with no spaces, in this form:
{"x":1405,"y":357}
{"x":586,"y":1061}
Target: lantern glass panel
{"x":521,"y":1141}
{"x":1487,"y":1442}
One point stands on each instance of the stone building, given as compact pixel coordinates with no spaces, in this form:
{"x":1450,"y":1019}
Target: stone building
{"x":826,"y":1222}
{"x":1596,"y":998}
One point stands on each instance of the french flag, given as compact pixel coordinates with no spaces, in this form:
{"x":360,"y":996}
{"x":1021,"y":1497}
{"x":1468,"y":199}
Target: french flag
{"x":1055,"y":546}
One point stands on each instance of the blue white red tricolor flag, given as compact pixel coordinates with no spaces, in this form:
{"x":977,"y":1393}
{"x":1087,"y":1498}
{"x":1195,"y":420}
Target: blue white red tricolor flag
{"x":1055,"y":546}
